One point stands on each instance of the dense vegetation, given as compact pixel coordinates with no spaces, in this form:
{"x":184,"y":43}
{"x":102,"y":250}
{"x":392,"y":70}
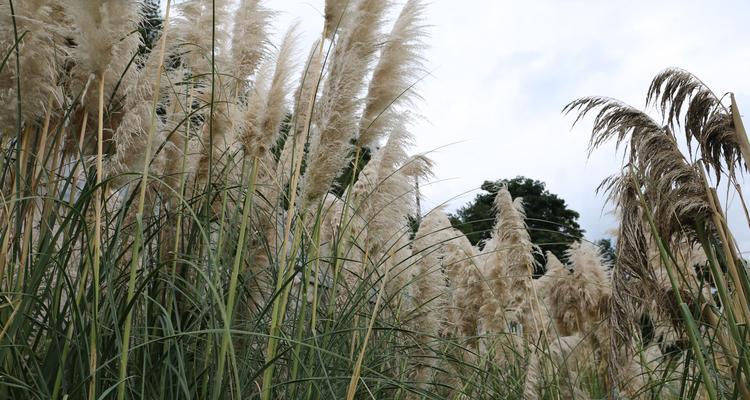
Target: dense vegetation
{"x":176,"y":222}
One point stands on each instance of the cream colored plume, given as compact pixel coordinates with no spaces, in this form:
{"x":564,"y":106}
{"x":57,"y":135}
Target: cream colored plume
{"x":340,"y":225}
{"x":384,"y":194}
{"x":334,"y":12}
{"x":176,"y":161}
{"x":132,"y":133}
{"x":578,"y":297}
{"x":399,"y":68}
{"x":249,"y":38}
{"x":219,"y":136}
{"x":385,"y":199}
{"x":268,"y":106}
{"x":466,"y":286}
{"x":508,"y":267}
{"x":201,"y":28}
{"x":418,"y":166}
{"x":430,"y":290}
{"x":429,"y":253}
{"x":106,"y":37}
{"x":336,"y":112}
{"x":555,"y":270}
{"x":40,"y":53}
{"x":304,"y":101}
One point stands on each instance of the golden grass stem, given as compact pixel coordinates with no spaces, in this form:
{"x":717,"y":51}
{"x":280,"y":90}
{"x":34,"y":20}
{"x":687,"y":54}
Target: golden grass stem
{"x":728,"y":347}
{"x":98,"y":199}
{"x":739,"y":129}
{"x":738,"y":189}
{"x":725,"y":235}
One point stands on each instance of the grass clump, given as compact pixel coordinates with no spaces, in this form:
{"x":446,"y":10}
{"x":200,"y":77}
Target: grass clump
{"x":174,"y":225}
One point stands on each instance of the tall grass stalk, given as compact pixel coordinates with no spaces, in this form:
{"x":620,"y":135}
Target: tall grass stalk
{"x":98,"y":199}
{"x":696,"y":341}
{"x":137,"y":245}
{"x":232,"y":294}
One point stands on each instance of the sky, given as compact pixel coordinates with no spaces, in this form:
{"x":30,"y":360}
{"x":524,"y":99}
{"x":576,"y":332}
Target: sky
{"x":501,"y":71}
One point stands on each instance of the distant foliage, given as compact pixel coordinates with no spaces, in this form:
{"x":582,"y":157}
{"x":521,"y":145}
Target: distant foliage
{"x":609,"y":253}
{"x":552,"y":225}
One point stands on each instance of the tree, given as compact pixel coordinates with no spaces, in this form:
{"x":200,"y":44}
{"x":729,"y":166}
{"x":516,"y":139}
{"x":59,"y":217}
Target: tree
{"x":552,"y":225}
{"x":609,"y":254}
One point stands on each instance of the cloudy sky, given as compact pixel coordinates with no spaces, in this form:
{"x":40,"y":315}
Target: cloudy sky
{"x":502,"y":71}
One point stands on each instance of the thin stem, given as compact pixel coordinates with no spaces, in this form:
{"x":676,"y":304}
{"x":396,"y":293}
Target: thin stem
{"x":98,"y":198}
{"x":139,"y":215}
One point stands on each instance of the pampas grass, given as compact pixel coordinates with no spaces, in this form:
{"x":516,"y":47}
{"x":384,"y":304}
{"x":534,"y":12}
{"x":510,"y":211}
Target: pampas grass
{"x":353,"y":53}
{"x":171,"y":227}
{"x":665,"y":201}
{"x":249,"y":40}
{"x":41,"y":53}
{"x":399,"y":66}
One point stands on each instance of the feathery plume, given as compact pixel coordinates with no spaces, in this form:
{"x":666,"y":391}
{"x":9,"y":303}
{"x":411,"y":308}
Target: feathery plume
{"x":219,"y":135}
{"x":428,"y":248}
{"x":249,"y":38}
{"x":263,"y":121}
{"x":304,"y":101}
{"x":340,"y":233}
{"x":614,"y":119}
{"x":384,"y":194}
{"x":384,"y":198}
{"x":631,"y":275}
{"x":334,"y":11}
{"x":41,"y":54}
{"x":418,"y":166}
{"x":517,"y":247}
{"x":508,"y":268}
{"x":672,"y":186}
{"x":558,"y":367}
{"x":466,"y":283}
{"x":175,"y":158}
{"x":201,"y":28}
{"x":576,"y":298}
{"x":430,"y":292}
{"x":706,"y":119}
{"x":106,"y":40}
{"x":554,"y":270}
{"x":672,"y":189}
{"x":336,"y":116}
{"x":398,"y":69}
{"x":131,"y":134}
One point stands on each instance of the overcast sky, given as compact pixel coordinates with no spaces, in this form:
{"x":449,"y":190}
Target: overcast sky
{"x":502,"y":71}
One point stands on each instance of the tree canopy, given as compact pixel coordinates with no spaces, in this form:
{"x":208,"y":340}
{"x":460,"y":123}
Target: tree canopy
{"x":552,"y":225}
